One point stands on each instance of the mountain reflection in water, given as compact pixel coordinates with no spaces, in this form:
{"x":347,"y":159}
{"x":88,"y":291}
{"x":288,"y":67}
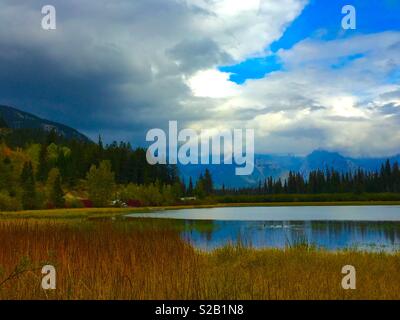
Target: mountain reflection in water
{"x":332,"y":235}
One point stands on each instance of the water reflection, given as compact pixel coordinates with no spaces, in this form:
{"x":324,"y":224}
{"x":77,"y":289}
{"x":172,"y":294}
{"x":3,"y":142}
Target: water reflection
{"x":374,"y":228}
{"x":362,"y":235}
{"x":306,"y":213}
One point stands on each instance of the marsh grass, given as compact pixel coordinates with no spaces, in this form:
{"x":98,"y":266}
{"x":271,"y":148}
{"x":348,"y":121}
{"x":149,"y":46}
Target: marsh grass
{"x":136,"y":260}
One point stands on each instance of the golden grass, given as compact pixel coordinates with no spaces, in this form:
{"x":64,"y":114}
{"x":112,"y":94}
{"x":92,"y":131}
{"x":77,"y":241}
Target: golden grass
{"x":121,"y":260}
{"x":78,"y":213}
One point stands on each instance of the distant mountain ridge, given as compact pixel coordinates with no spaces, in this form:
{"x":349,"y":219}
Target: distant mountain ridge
{"x":278,"y":166}
{"x":17,"y":119}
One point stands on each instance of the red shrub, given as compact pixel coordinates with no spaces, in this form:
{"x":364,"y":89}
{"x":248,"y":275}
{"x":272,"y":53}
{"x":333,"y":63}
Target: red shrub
{"x":49,"y":205}
{"x":133,"y":203}
{"x":87,"y":203}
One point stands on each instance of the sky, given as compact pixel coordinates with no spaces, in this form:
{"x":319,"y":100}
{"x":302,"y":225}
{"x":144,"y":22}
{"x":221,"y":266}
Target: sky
{"x":286,"y":69}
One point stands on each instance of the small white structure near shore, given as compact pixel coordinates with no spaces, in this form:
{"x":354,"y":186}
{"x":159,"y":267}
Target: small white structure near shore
{"x":188,"y":198}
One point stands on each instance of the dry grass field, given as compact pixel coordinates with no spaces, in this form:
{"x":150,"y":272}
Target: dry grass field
{"x":124,"y":260}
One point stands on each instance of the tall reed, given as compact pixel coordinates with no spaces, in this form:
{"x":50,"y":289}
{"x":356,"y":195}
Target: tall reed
{"x":130,"y":260}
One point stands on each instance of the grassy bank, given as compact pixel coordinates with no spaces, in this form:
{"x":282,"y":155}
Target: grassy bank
{"x":89,"y":213}
{"x":113,"y":260}
{"x":81,"y":213}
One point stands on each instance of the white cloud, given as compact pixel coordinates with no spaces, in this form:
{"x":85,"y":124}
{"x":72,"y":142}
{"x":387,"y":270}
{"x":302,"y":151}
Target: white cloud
{"x":213,"y":84}
{"x":246,"y":28}
{"x":312,"y":105}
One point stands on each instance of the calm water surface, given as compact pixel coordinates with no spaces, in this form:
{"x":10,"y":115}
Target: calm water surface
{"x":374,"y":228}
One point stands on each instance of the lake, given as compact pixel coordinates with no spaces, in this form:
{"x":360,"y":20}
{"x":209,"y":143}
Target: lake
{"x":372,"y":228}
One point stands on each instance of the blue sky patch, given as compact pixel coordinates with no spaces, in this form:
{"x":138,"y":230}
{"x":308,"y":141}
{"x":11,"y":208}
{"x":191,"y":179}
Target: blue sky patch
{"x":255,"y":68}
{"x":321,"y":19}
{"x":344,"y":61}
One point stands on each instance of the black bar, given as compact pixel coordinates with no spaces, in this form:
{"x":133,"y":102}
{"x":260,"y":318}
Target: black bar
{"x":202,"y":309}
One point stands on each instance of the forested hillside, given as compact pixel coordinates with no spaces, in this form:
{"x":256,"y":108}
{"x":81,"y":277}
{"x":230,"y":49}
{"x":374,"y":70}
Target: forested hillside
{"x":41,"y":169}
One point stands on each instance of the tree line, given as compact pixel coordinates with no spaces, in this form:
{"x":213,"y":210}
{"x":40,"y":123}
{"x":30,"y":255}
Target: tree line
{"x":387,"y":179}
{"x":43,"y":170}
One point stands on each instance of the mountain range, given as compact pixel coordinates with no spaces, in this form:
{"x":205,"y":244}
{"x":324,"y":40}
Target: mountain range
{"x":278,"y":166}
{"x":17,"y":119}
{"x":266,"y":165}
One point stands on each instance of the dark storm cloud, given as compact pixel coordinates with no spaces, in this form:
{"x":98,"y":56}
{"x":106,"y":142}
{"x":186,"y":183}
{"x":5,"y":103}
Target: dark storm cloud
{"x":392,"y":109}
{"x":33,"y":78}
{"x":105,"y":68}
{"x":391,"y":95}
{"x":303,"y":132}
{"x":195,"y":54}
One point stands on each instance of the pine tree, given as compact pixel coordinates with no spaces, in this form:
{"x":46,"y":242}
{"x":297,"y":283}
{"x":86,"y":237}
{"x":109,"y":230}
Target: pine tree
{"x":199,"y":189}
{"x":100,"y":143}
{"x":51,"y":137}
{"x":29,"y":199}
{"x":208,"y":183}
{"x":178,"y":189}
{"x":54,"y":189}
{"x":190,"y":188}
{"x":6,"y":175}
{"x":396,"y":177}
{"x":3,"y":123}
{"x":42,"y":170}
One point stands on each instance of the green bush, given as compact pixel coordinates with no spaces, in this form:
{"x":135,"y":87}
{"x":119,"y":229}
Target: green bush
{"x":8,"y":203}
{"x":73,"y":203}
{"x":101,"y":184}
{"x":149,"y":195}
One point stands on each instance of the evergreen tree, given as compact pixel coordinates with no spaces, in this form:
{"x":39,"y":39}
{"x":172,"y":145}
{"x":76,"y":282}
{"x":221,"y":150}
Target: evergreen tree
{"x":29,"y":199}
{"x":57,"y":194}
{"x":52,"y":137}
{"x":100,"y":143}
{"x":3,"y":123}
{"x":199,"y":189}
{"x":43,"y":166}
{"x":208,"y":183}
{"x":396,"y":177}
{"x":190,"y":188}
{"x":54,"y":189}
{"x":6,"y":175}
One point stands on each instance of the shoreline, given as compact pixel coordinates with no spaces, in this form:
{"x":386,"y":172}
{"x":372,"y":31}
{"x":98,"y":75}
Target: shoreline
{"x":86,"y":213}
